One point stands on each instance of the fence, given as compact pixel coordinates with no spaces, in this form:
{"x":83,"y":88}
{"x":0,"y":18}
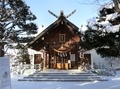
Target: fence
{"x":103,"y":70}
{"x":18,"y":69}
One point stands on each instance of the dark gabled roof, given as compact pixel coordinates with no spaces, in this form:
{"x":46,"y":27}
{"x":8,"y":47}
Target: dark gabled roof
{"x":61,"y":19}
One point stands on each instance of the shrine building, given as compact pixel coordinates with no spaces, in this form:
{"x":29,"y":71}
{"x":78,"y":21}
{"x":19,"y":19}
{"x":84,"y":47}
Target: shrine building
{"x":60,"y":44}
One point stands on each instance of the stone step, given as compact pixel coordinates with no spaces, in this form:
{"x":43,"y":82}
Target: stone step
{"x":62,"y":80}
{"x":79,"y":75}
{"x":65,"y":77}
{"x":63,"y":74}
{"x":58,"y":80}
{"x":62,"y":77}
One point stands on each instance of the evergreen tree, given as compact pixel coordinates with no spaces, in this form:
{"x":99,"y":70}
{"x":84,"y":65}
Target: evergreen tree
{"x":15,"y":21}
{"x":103,"y":32}
{"x":22,"y":54}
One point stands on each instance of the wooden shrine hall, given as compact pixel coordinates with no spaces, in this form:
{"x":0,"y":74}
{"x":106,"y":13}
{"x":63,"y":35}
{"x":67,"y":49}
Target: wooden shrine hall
{"x":60,"y":44}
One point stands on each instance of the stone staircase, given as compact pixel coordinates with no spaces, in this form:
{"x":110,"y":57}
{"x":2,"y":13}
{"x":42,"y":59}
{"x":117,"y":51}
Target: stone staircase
{"x":62,"y":76}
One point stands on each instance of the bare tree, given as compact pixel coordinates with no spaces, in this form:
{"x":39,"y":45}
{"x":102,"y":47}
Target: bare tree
{"x":101,"y":3}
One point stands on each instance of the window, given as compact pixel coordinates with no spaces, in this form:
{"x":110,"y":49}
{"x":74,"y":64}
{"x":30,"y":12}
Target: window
{"x":61,"y":37}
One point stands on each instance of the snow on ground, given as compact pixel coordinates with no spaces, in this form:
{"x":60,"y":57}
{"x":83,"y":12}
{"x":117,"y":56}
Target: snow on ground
{"x":112,"y":83}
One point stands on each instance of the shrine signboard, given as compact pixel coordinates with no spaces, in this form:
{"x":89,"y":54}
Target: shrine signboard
{"x":5,"y":79}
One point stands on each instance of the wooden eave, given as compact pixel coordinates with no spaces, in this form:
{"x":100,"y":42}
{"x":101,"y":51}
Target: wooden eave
{"x":38,"y":39}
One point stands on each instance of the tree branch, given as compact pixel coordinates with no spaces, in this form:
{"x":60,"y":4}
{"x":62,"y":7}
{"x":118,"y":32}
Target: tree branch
{"x":116,"y":3}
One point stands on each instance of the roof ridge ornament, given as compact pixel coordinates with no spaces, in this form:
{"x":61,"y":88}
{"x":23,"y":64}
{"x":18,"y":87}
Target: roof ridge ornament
{"x":71,"y":14}
{"x":62,"y":14}
{"x":52,"y":14}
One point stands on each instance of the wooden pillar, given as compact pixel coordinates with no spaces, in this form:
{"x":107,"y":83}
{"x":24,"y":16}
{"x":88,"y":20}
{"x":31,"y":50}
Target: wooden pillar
{"x":70,"y":63}
{"x":49,"y":56}
{"x":49,"y":61}
{"x":76,"y":56}
{"x":54,"y":61}
{"x":45,"y":58}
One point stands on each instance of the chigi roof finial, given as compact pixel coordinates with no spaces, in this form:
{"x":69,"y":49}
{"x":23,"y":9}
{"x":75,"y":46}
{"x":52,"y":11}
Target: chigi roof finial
{"x":71,"y":14}
{"x":52,"y":14}
{"x":61,"y":14}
